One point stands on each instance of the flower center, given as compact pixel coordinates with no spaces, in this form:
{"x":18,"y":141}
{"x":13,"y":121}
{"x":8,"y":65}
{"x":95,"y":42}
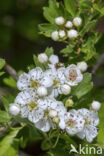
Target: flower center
{"x":71,"y":123}
{"x":73,"y":75}
{"x":34,"y":84}
{"x":46,"y":113}
{"x":87,"y":122}
{"x":32,"y":105}
{"x":55,"y":83}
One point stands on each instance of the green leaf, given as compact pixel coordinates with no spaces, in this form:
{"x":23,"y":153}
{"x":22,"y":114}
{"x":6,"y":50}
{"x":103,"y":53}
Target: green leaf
{"x":6,"y":100}
{"x":2,"y":63}
{"x":4,"y":116}
{"x":69,"y":49}
{"x":8,"y":145}
{"x":51,"y":12}
{"x":100,"y":137}
{"x":2,"y":73}
{"x":49,"y":51}
{"x":84,"y":87}
{"x":10,"y":82}
{"x":47,"y":29}
{"x":71,"y":7}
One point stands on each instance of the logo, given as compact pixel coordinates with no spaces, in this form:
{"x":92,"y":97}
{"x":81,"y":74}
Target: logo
{"x":86,"y":149}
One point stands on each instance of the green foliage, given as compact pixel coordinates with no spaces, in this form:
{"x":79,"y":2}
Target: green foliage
{"x":84,"y":87}
{"x":71,"y":7}
{"x":2,"y":63}
{"x":10,"y":82}
{"x":100,"y":137}
{"x":9,"y":145}
{"x":4,"y":117}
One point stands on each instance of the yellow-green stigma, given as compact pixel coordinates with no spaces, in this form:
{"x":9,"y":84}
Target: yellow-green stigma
{"x":46,"y":113}
{"x":55,"y":83}
{"x":32,"y":105}
{"x":34,"y":84}
{"x":71,"y":123}
{"x":87,"y":122}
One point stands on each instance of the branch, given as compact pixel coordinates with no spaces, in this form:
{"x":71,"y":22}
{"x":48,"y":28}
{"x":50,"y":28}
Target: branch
{"x":11,"y":71}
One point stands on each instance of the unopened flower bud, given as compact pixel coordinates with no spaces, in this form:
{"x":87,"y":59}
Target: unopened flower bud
{"x":52,"y":113}
{"x":66,"y":89}
{"x":62,"y":33}
{"x":69,"y":24}
{"x":69,"y":103}
{"x":54,"y":59}
{"x":43,"y":58}
{"x":82,"y":66}
{"x":55,"y":35}
{"x":56,"y":120}
{"x":42,"y":91}
{"x":59,"y":20}
{"x":14,"y":109}
{"x":77,"y":21}
{"x":72,"y":33}
{"x":96,"y":105}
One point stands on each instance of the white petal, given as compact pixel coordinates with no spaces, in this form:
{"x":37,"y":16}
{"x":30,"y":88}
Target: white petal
{"x":23,"y":81}
{"x":43,"y":125}
{"x":81,"y":134}
{"x":36,"y":73}
{"x":47,"y":81}
{"x":91,"y":133}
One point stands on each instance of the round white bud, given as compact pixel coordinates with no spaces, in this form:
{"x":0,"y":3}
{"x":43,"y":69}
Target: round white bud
{"x":56,"y":120}
{"x":43,"y":58}
{"x":59,"y":20}
{"x":14,"y":109}
{"x":72,"y":33}
{"x":54,"y":59}
{"x":82,"y":66}
{"x":62,"y":33}
{"x":55,"y":35}
{"x":77,"y":21}
{"x":52,"y":113}
{"x":42,"y":91}
{"x":66,"y":89}
{"x":68,"y":24}
{"x":96,"y":105}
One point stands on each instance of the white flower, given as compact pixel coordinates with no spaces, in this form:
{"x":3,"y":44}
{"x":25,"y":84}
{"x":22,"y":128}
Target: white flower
{"x":82,"y":66}
{"x":14,"y":109}
{"x":43,"y":58}
{"x":66,"y":89}
{"x":58,"y":78}
{"x":72,"y":33}
{"x":73,"y":75}
{"x":62,"y":33}
{"x":59,"y":20}
{"x":31,"y":107}
{"x":73,"y":122}
{"x":54,"y":59}
{"x":51,"y":115}
{"x":55,"y":35}
{"x":77,"y":21}
{"x":68,"y":24}
{"x":34,"y":79}
{"x":96,"y":105}
{"x":42,"y":91}
{"x":91,"y":121}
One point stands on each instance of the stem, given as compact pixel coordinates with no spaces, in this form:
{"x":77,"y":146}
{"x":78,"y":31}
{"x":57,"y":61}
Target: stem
{"x":11,"y":71}
{"x":56,"y":141}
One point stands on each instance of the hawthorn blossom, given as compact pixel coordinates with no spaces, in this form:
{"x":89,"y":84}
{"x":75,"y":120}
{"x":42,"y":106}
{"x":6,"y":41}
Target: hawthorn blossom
{"x":91,"y":121}
{"x":34,"y":79}
{"x":73,"y":75}
{"x":72,"y":122}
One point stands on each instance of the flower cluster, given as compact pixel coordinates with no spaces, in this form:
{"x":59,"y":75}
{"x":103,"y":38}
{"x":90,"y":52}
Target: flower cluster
{"x":67,"y":28}
{"x":38,"y":102}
